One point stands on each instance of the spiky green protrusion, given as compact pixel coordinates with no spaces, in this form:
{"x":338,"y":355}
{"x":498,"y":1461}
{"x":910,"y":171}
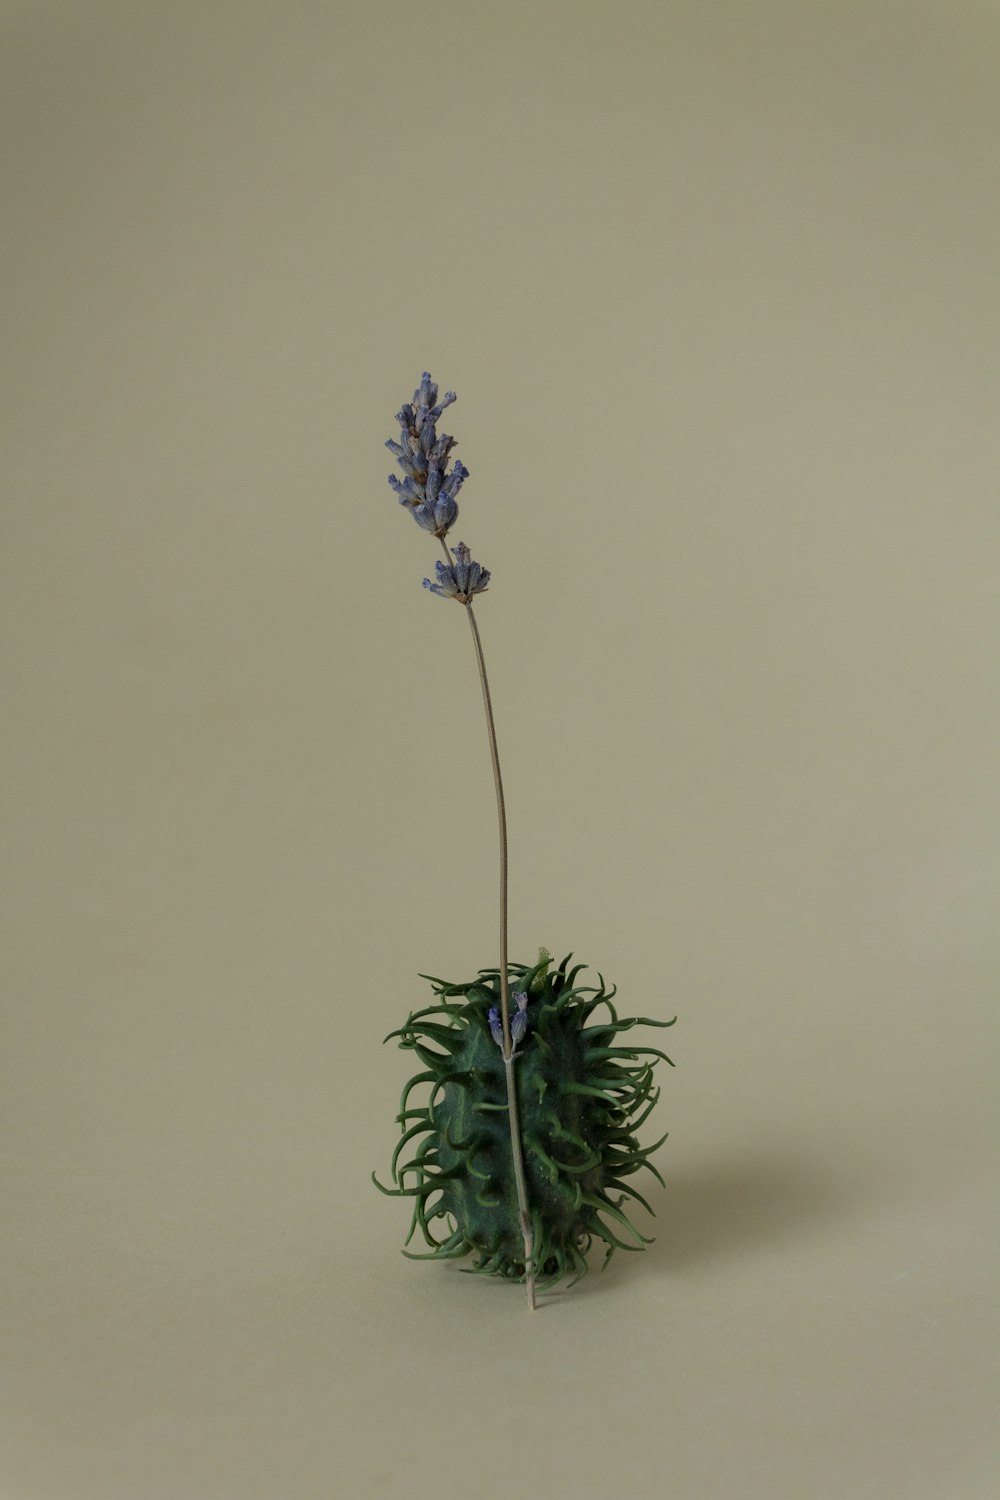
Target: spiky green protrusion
{"x":581,"y":1099}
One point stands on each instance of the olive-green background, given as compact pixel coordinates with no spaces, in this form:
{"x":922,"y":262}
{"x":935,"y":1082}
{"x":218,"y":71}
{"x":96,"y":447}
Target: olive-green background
{"x":716,"y":283}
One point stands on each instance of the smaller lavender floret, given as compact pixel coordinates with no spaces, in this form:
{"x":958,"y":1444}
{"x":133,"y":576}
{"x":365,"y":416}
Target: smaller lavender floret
{"x":460,"y":579}
{"x":429,"y":489}
{"x":518,"y":1020}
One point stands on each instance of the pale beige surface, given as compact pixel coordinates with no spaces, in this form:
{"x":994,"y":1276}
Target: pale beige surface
{"x":716,"y":285}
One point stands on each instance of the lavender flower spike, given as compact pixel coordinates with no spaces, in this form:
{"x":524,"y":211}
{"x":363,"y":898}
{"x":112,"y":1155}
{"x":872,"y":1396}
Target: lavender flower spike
{"x":429,"y":489}
{"x":460,"y":579}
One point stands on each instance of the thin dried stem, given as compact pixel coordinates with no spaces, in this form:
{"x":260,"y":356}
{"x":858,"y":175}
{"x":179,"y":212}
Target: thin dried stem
{"x":517,"y":1152}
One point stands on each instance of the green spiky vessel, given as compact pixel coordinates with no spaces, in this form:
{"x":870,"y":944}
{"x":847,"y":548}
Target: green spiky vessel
{"x":581,"y":1100}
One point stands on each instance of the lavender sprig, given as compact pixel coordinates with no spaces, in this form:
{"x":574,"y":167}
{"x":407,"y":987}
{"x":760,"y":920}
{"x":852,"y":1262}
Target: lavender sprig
{"x":429,"y":492}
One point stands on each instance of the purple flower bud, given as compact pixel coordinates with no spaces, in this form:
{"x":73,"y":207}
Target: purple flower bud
{"x":456,"y":478}
{"x":445,"y":514}
{"x":427,"y":392}
{"x":409,"y":493}
{"x":449,"y":397}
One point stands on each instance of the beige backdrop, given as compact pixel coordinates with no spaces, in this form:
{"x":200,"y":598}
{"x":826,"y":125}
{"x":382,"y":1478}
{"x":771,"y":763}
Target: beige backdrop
{"x":716,"y":285}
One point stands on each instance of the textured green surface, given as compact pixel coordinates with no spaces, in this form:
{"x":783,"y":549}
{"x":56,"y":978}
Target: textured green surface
{"x":581,"y":1097}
